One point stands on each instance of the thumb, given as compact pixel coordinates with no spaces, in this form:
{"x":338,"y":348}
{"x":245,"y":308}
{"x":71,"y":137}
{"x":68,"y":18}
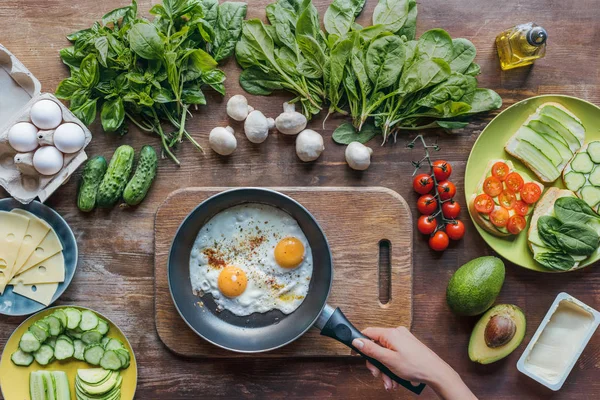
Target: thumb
{"x":373,"y":350}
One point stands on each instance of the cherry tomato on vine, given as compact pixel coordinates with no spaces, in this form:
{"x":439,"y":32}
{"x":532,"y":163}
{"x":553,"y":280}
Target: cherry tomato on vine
{"x":439,"y":241}
{"x":442,"y":170}
{"x":446,"y":189}
{"x":492,"y":186}
{"x":521,"y":208}
{"x":427,"y":204}
{"x":499,"y":217}
{"x":451,"y":209}
{"x":426,"y":225}
{"x":455,"y":230}
{"x":531,"y":193}
{"x":516,"y":224}
{"x":514,"y":182}
{"x":484,"y":203}
{"x":423,"y":183}
{"x":500,"y":170}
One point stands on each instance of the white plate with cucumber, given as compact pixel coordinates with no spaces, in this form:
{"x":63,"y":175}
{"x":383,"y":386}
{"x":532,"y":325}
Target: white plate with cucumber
{"x":68,"y":353}
{"x":553,"y":140}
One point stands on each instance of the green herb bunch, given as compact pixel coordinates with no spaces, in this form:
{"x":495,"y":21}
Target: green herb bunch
{"x":150,"y":73}
{"x":380,"y":74}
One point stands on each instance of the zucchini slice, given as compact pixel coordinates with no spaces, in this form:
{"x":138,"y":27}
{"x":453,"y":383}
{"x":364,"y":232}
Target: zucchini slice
{"x":591,"y":195}
{"x":574,"y":180}
{"x":593,"y":150}
{"x":21,"y":358}
{"x":582,"y":163}
{"x":594,"y":177}
{"x":44,"y":355}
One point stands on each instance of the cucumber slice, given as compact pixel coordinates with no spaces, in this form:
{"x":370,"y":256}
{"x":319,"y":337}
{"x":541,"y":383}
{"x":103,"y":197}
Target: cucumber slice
{"x":79,"y":349}
{"x":93,"y":354}
{"x":124,"y":357}
{"x":591,"y":195}
{"x":40,"y":330}
{"x":104,"y":341}
{"x":60,"y":314}
{"x":582,"y":163}
{"x":49,"y":383}
{"x":89,"y":320}
{"x":574,"y":180}
{"x":110,"y":360}
{"x":91,"y":337}
{"x":73,"y":318}
{"x":545,"y":147}
{"x":593,"y":150}
{"x":74,"y":334}
{"x":21,"y":358}
{"x":62,"y":388}
{"x":572,"y":141}
{"x":65,"y":337}
{"x":567,"y":120}
{"x":51,"y":341}
{"x":55,"y":325}
{"x":102,"y":326}
{"x":114,"y":344}
{"x":545,"y":129}
{"x":37,"y":386}
{"x":44,"y":355}
{"x":29,"y":343}
{"x":562,"y":148}
{"x":64,"y":349}
{"x":594,"y":176}
{"x":536,"y":159}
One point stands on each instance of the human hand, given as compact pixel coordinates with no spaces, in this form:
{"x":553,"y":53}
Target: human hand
{"x":407,"y":357}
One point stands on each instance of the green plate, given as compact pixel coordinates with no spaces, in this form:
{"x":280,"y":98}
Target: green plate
{"x":490,"y":145}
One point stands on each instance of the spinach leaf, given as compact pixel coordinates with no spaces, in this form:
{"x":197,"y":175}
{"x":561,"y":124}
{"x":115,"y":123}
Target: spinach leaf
{"x":555,"y":260}
{"x":485,"y":100}
{"x":435,"y":43}
{"x":112,"y":114}
{"x":423,"y":74}
{"x":577,"y":239}
{"x":409,"y":30}
{"x":346,"y":133}
{"x":340,"y":16}
{"x":474,"y":69}
{"x":453,"y":88}
{"x":451,"y":124}
{"x":228,"y":29}
{"x":255,"y":81}
{"x":393,"y":14}
{"x":574,"y":210}
{"x":547,"y":228}
{"x":463,"y":54}
{"x":145,"y":41}
{"x":384,"y":60}
{"x":210,"y":11}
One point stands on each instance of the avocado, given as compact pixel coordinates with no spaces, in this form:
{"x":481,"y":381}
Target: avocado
{"x":497,"y":334}
{"x":474,"y":287}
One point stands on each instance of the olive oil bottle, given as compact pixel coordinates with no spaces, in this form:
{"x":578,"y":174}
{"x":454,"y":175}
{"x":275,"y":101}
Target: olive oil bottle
{"x":521,"y":45}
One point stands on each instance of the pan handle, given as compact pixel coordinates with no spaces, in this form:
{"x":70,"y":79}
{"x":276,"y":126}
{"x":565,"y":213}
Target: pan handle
{"x":339,"y":328}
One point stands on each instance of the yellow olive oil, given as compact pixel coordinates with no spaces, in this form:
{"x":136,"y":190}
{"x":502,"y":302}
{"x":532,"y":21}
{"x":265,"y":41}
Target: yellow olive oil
{"x":521,"y":45}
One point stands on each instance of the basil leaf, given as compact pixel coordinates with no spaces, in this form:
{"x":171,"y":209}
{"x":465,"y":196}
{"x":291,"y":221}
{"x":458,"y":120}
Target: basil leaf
{"x":145,"y":41}
{"x":346,"y":133}
{"x":112,"y":114}
{"x":89,"y":73}
{"x":66,"y":88}
{"x":87,"y":111}
{"x":193,"y":95}
{"x":202,"y":61}
{"x":101,"y":45}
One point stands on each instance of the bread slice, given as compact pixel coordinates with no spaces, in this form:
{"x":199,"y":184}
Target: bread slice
{"x":484,"y":223}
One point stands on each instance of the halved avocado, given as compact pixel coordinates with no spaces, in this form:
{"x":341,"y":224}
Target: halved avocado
{"x":497,"y":334}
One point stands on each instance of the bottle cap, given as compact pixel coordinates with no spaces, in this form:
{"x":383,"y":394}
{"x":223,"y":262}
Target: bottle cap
{"x":537,"y":36}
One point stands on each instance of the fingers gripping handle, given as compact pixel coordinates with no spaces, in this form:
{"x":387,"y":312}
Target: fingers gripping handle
{"x":339,"y":328}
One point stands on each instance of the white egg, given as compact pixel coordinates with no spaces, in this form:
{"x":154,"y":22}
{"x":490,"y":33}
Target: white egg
{"x":22,"y":137}
{"x":244,"y":237}
{"x":46,"y":114}
{"x":69,"y":138}
{"x":48,"y":160}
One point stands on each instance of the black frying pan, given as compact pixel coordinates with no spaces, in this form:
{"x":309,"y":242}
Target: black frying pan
{"x":262,"y":332}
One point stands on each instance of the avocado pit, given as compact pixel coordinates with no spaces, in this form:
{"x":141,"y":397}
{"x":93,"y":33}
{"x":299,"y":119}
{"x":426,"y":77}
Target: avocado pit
{"x":499,"y":331}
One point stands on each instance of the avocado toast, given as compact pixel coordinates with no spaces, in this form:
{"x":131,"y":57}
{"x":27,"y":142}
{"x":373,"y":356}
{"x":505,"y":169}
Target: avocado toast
{"x":503,"y":200}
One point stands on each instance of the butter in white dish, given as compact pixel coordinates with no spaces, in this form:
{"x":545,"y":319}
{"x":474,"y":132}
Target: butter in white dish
{"x":559,"y":341}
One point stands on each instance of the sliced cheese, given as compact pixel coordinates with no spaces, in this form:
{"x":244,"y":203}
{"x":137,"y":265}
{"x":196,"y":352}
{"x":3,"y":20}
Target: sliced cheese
{"x":12,"y":232}
{"x":36,"y":232}
{"x":47,"y":248}
{"x":51,"y":270}
{"x":42,"y":293}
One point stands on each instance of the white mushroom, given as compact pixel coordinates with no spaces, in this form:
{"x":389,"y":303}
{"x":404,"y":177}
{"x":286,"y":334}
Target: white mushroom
{"x":222,"y":140}
{"x":309,"y":145}
{"x":290,"y":122}
{"x":257,"y":126}
{"x":358,"y":156}
{"x":238,"y":108}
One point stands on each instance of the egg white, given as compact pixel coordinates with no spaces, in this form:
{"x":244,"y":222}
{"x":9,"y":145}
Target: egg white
{"x":245,"y":236}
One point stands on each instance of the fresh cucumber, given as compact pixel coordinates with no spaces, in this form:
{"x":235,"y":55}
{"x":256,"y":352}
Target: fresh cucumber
{"x":51,"y":341}
{"x":573,"y":124}
{"x":574,"y":180}
{"x":21,"y":358}
{"x":91,"y":337}
{"x":582,"y":163}
{"x":545,"y":129}
{"x":93,"y":354}
{"x":40,"y":330}
{"x":62,"y":389}
{"x":114,"y":344}
{"x":44,"y":355}
{"x":539,"y":142}
{"x":572,"y":141}
{"x":89,"y":320}
{"x":116,"y":177}
{"x":591,"y":195}
{"x":593,"y":150}
{"x":91,"y":177}
{"x":137,"y":188}
{"x":110,"y":360}
{"x":73,"y":317}
{"x":594,"y":176}
{"x":55,"y":325}
{"x":536,"y":159}
{"x":37,"y":385}
{"x":79,"y":349}
{"x":29,"y":343}
{"x":60,"y":314}
{"x":102,"y":326}
{"x":64,"y":349}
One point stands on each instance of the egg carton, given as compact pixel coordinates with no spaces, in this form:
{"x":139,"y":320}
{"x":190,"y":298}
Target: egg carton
{"x":19,"y":91}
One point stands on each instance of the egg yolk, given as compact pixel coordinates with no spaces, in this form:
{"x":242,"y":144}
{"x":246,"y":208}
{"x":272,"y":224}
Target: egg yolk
{"x":289,"y":252}
{"x":232,"y":281}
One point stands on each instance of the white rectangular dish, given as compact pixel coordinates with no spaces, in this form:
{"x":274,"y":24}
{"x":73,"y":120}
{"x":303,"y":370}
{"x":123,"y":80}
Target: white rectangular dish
{"x":559,"y":341}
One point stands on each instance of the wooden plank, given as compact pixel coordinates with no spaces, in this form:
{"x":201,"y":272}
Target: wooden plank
{"x":354,"y":220}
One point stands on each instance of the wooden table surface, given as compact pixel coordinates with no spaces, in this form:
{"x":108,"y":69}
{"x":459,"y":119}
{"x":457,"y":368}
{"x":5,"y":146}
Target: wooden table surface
{"x":115,"y":273}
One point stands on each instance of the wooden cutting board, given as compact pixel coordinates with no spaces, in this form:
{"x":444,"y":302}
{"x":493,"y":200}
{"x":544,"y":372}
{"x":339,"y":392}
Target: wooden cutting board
{"x":355,"y":221}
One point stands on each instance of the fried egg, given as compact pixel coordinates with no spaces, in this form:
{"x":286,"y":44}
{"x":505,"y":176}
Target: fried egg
{"x":252,"y":258}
